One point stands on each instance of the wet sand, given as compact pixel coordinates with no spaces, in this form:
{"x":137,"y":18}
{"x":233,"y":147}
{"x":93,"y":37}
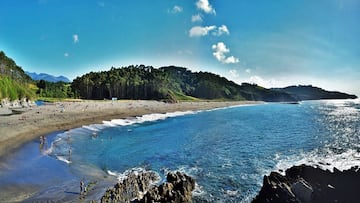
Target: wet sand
{"x":16,"y":130}
{"x":30,"y":175}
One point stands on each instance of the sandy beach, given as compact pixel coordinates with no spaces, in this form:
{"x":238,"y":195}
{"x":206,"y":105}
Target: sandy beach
{"x":18,"y":129}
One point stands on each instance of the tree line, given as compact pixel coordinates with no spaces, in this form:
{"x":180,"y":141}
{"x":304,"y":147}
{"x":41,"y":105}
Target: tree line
{"x":54,"y":89}
{"x":132,"y":82}
{"x":167,"y":83}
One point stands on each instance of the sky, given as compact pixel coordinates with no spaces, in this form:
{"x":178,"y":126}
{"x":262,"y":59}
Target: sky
{"x":270,"y":43}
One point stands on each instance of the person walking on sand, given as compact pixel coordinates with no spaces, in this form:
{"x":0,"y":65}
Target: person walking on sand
{"x":69,"y":153}
{"x":85,"y":189}
{"x":81,"y":187}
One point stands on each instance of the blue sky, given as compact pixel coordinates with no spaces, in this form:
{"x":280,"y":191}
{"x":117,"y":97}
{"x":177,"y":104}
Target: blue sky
{"x":271,"y":43}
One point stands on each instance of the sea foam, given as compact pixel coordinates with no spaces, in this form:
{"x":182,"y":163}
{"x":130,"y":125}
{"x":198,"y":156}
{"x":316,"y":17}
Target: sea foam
{"x":327,"y":161}
{"x":63,"y":159}
{"x":136,"y":171}
{"x":146,"y":118}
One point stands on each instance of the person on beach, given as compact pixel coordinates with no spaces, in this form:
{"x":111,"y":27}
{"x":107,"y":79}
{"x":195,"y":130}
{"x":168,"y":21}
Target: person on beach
{"x":68,"y":137}
{"x":44,"y":142}
{"x":41,"y":146}
{"x":94,"y":134}
{"x":81,"y":187}
{"x":69,"y":153}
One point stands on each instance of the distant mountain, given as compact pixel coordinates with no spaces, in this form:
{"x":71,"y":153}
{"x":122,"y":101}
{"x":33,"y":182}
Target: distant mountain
{"x":309,"y":92}
{"x":47,"y":77}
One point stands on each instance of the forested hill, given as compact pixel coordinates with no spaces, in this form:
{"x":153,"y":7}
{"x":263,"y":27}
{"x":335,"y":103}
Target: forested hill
{"x":309,"y":92}
{"x":168,"y":83}
{"x":14,"y":83}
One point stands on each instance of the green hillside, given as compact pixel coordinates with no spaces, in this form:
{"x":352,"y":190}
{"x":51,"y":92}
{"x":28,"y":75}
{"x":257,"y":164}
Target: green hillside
{"x":168,"y":83}
{"x":14,"y":83}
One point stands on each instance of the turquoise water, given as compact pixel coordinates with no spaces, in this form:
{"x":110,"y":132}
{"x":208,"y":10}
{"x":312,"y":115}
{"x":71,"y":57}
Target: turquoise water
{"x":226,"y":150}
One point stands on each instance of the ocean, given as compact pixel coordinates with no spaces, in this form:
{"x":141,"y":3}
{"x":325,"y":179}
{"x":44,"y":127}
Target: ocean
{"x":227,"y":150}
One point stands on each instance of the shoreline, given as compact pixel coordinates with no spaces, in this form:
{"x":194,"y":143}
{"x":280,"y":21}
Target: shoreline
{"x":18,"y":129}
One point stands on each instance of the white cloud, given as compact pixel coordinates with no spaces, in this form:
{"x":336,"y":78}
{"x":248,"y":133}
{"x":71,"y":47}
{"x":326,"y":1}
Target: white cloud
{"x":196,"y":18}
{"x":248,"y":70}
{"x":205,"y":6}
{"x":176,"y":9}
{"x":66,"y":54}
{"x":234,"y":73}
{"x":220,"y":51}
{"x":198,"y":31}
{"x":221,"y":30}
{"x":231,"y":59}
{"x":76,"y":38}
{"x":268,"y":83}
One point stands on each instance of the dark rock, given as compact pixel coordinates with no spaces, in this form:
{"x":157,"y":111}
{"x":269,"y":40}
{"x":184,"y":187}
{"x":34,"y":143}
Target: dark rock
{"x":276,"y":188}
{"x":131,"y":187}
{"x":178,"y":188}
{"x":308,"y":184}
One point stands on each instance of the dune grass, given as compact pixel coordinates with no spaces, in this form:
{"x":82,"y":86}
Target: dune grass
{"x":13,"y":90}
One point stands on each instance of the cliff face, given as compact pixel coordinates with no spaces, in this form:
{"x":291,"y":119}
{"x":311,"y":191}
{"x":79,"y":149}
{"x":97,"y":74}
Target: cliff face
{"x":308,"y":184}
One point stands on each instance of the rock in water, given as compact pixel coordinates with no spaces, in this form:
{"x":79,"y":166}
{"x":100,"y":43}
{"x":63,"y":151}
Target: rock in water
{"x":178,"y":189}
{"x":308,"y":184}
{"x":139,"y":188}
{"x":132,"y":187}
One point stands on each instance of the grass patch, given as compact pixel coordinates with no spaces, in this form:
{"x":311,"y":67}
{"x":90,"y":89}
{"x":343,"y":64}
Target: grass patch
{"x":183,"y":97}
{"x":14,"y":90}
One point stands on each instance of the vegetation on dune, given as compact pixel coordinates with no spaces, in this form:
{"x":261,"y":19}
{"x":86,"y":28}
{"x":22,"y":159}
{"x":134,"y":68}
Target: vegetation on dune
{"x":13,"y":90}
{"x":14,"y":83}
{"x":9,"y":68}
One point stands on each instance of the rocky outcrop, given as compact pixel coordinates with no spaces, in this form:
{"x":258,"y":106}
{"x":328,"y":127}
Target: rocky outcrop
{"x":8,"y":107}
{"x":139,"y":188}
{"x":178,"y":188}
{"x":132,"y":187}
{"x":21,"y":103}
{"x":308,"y":184}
